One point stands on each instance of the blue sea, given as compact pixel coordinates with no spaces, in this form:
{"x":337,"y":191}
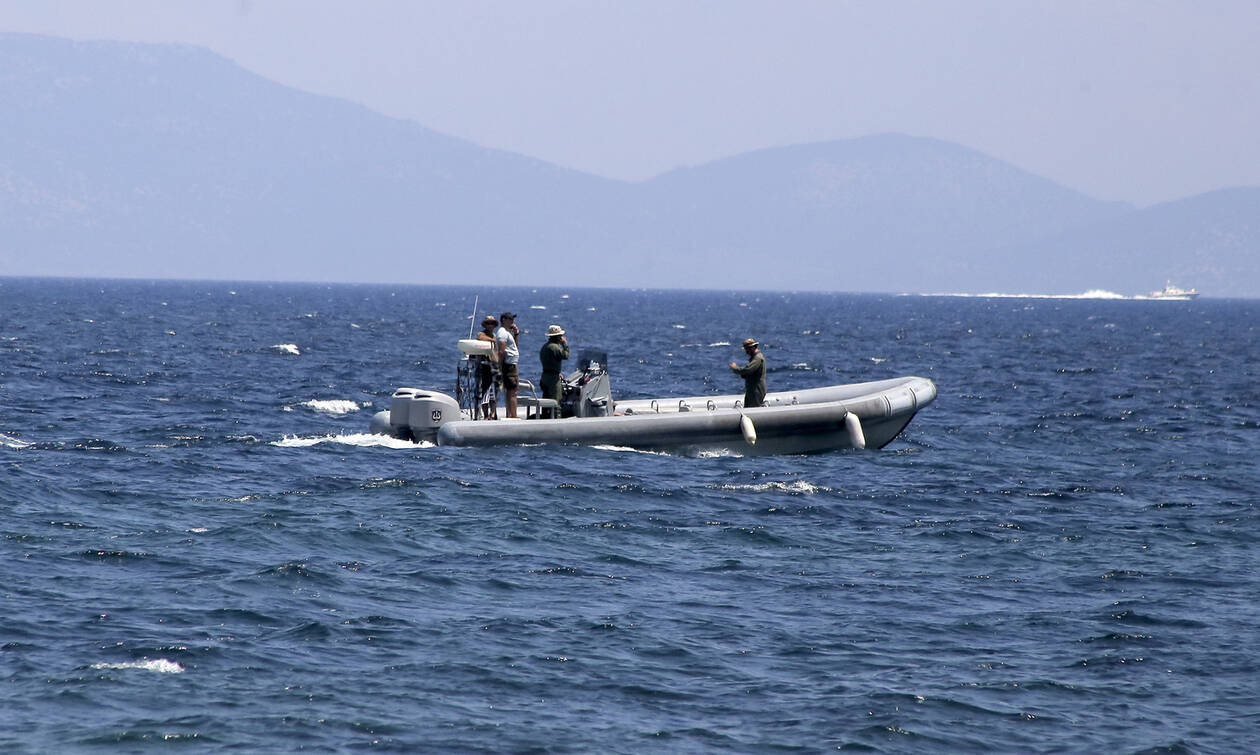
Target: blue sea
{"x":202,"y":546}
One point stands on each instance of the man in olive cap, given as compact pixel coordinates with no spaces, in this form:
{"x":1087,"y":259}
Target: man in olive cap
{"x":754,"y":375}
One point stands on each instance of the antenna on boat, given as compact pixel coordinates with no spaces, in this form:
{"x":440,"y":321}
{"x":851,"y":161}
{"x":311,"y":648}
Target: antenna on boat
{"x":473,"y":324}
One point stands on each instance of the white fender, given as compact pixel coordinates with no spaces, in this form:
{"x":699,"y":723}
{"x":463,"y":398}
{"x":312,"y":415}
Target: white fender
{"x":854,"y":426}
{"x":746,"y":427}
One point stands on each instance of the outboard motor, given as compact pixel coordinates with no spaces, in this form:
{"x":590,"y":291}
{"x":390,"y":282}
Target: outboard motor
{"x":588,"y":390}
{"x":417,"y":414}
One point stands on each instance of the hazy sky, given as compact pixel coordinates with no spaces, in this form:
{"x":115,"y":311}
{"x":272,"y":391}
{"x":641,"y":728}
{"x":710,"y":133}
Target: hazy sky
{"x":1141,"y":100}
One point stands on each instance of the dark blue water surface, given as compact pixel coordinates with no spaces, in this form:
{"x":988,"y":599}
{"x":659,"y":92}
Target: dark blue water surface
{"x":200,"y":543}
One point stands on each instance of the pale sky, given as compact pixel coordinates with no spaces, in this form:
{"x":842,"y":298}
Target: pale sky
{"x":1138,"y":100}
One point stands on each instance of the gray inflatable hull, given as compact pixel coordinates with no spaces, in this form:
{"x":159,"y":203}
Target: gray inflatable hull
{"x":806,"y":421}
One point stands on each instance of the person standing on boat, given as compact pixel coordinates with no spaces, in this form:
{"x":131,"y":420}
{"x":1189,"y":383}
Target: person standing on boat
{"x":506,"y":336}
{"x":552,"y":355}
{"x":754,"y":375}
{"x":487,"y":372}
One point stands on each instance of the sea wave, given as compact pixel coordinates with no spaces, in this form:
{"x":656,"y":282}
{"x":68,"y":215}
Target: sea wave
{"x":157,"y":665}
{"x":797,"y":487}
{"x":286,"y":348}
{"x":11,"y":442}
{"x":332,"y":406}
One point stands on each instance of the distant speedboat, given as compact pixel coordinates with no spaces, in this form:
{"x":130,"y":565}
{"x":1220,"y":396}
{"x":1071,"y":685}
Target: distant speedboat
{"x":1172,"y":292}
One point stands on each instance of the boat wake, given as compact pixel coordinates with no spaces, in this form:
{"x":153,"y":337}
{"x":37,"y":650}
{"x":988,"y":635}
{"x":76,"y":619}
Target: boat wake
{"x":706,"y":454}
{"x":627,"y":449}
{"x":354,"y":439}
{"x":1095,"y":293}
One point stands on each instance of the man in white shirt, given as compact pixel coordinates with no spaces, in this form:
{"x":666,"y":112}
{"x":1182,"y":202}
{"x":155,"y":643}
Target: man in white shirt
{"x":506,"y":337}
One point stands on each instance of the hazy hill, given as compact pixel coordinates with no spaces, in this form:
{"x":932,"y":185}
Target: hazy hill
{"x":168,"y":161}
{"x":881,"y":213}
{"x":1210,"y":241}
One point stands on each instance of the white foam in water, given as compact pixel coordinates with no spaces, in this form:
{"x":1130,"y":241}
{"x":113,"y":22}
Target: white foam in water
{"x":627,"y":449}
{"x":720,"y":453}
{"x":12,"y":442}
{"x":286,"y":348}
{"x":332,"y":406}
{"x":158,"y":665}
{"x":796,"y":486}
{"x":720,"y":343}
{"x":355,"y":439}
{"x":713,"y":454}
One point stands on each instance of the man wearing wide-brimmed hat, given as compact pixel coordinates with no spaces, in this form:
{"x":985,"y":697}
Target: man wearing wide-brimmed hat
{"x":488,"y":371}
{"x":754,"y":375}
{"x":552,"y":355}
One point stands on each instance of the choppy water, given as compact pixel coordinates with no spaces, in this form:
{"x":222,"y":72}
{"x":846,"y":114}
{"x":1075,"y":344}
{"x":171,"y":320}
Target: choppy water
{"x":201,"y":544}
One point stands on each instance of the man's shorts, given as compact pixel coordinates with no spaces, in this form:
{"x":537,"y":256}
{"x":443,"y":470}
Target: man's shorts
{"x":511,"y":379}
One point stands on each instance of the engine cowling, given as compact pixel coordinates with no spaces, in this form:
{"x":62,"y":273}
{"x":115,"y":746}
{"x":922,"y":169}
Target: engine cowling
{"x":417,"y":414}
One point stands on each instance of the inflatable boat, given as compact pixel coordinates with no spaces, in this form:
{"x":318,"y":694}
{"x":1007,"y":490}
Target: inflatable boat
{"x":856,"y":415}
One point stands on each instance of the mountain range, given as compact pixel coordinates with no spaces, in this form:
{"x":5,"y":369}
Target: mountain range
{"x":167,"y":161}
